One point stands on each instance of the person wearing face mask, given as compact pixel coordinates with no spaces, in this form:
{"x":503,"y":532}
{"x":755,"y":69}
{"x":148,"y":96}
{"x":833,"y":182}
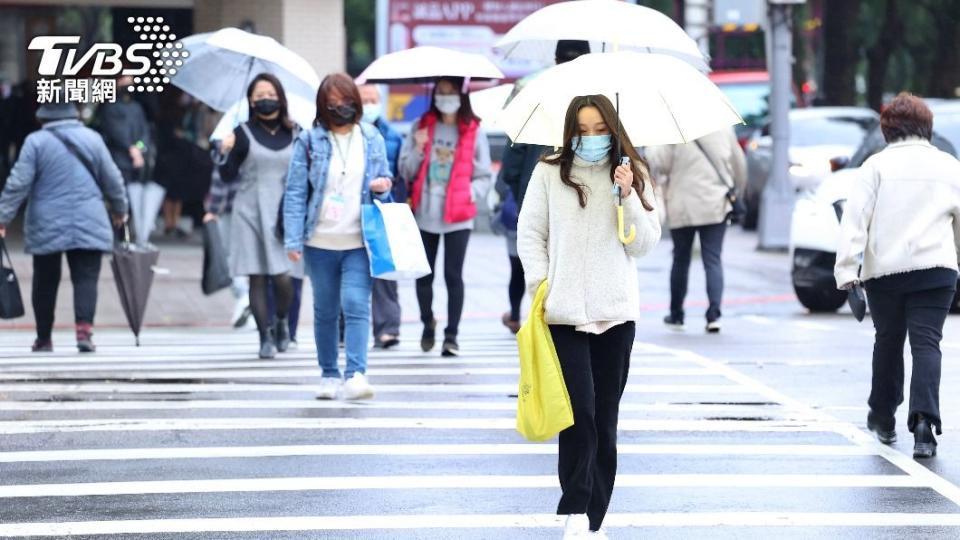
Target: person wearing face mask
{"x":386,"y":301}
{"x":337,"y":166}
{"x":258,"y":155}
{"x":447,"y":159}
{"x":567,"y":236}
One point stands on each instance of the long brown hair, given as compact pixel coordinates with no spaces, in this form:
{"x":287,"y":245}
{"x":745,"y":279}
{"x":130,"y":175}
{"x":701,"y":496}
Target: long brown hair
{"x":571,"y":130}
{"x":281,"y":98}
{"x":344,"y":85}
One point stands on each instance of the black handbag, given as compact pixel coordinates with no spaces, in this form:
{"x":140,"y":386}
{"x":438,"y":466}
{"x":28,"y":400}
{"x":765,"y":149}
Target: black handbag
{"x":11,"y":303}
{"x":738,"y":210}
{"x":216,"y":273}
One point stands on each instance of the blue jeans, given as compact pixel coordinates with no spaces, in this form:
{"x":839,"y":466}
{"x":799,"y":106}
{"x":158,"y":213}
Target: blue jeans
{"x":340,"y":279}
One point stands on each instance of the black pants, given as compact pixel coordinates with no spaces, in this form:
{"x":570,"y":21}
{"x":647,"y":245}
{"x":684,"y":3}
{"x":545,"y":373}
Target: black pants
{"x":711,"y":248}
{"x":896,"y":314}
{"x":293,"y":319}
{"x":84,"y":273}
{"x":454,"y":253}
{"x":516,"y":288}
{"x":595,"y":371}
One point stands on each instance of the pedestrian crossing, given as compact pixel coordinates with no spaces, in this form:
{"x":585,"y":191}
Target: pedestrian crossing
{"x":190,"y":436}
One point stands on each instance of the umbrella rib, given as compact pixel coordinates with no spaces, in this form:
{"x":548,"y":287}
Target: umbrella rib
{"x":672,"y":116}
{"x":525,"y":122}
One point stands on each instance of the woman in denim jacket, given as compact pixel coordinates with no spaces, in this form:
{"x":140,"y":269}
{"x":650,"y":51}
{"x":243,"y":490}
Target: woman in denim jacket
{"x":337,"y":166}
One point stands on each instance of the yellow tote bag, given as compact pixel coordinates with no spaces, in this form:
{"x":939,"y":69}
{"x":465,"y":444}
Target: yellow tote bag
{"x":543,"y":404}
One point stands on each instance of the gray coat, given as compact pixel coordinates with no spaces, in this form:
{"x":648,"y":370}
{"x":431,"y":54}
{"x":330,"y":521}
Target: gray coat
{"x":65,"y":205}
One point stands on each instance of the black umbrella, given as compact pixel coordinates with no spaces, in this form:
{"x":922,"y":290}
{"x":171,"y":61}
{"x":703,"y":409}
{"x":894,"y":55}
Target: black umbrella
{"x":133,"y":272}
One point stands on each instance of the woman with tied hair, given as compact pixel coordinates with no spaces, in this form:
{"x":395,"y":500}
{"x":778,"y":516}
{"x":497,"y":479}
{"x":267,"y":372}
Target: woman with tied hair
{"x":447,"y":160}
{"x":567,"y":235}
{"x":337,"y":166}
{"x":900,"y":235}
{"x":258,"y":154}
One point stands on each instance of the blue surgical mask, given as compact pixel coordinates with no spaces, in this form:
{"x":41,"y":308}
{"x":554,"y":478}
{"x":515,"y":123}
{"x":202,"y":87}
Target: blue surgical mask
{"x":372,"y":112}
{"x":592,"y":148}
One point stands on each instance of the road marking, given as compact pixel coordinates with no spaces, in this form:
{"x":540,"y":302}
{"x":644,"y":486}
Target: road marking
{"x":757,"y":319}
{"x":851,"y":432}
{"x":160,"y":388}
{"x":301,"y":373}
{"x":406,"y":482}
{"x":810,"y":325}
{"x":12,"y":427}
{"x":477,"y":521}
{"x":163,"y":453}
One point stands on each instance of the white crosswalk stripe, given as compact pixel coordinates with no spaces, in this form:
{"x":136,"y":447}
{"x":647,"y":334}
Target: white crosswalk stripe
{"x":122,"y":435}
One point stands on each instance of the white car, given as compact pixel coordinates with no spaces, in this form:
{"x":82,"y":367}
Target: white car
{"x":817,"y":135}
{"x":815,"y":227}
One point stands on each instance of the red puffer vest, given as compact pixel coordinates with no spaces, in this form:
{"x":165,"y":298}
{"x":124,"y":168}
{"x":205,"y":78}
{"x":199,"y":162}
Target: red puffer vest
{"x":459,"y":206}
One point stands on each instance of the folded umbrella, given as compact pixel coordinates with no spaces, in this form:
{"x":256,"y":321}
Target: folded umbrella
{"x":426,"y":65}
{"x":132,"y":267}
{"x":662,"y":100}
{"x":220,"y":65}
{"x":609,"y":25}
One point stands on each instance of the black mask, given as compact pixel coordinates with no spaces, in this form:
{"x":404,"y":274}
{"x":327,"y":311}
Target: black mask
{"x":266,"y":107}
{"x":343,"y":114}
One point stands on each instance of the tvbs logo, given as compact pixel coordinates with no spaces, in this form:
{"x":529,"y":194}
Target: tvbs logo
{"x":108,"y":58}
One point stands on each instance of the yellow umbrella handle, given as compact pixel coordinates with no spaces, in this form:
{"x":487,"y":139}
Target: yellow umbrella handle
{"x":625,"y":238}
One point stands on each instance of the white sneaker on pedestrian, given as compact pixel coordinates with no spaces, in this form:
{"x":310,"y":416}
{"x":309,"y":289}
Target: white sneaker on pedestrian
{"x":713,"y":327}
{"x":357,"y":387}
{"x":577,"y":526}
{"x":293,"y":345}
{"x":329,"y":386}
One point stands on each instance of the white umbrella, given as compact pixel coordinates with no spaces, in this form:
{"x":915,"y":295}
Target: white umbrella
{"x":221,"y":65}
{"x":609,"y":25}
{"x":427,"y":64}
{"x":301,"y":111}
{"x":489,"y":102}
{"x":662,"y":100}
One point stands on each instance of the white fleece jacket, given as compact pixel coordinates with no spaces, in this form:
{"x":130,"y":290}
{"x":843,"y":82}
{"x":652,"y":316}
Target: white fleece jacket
{"x":592,"y":276}
{"x":903,"y":213}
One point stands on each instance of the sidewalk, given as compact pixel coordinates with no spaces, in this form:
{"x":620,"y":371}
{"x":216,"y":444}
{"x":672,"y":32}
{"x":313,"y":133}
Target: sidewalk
{"x":759,"y":281}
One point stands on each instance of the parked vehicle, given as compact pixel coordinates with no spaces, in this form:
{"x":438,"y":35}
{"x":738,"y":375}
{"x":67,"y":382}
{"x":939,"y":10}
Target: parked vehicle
{"x":817,"y":135}
{"x":816,"y":218}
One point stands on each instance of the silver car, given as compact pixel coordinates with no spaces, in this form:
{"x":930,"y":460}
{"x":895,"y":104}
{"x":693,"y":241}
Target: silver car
{"x":817,"y":135}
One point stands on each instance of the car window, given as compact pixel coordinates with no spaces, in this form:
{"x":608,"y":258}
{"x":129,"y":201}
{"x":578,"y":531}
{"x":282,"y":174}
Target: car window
{"x":837,"y":130}
{"x":751,"y":100}
{"x":949,"y":127}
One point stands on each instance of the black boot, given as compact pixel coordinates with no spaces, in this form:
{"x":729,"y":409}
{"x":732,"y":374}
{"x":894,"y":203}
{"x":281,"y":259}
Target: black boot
{"x":428,"y":339}
{"x":884,"y":434}
{"x":268,"y":349}
{"x":281,"y":332}
{"x":924,"y":443}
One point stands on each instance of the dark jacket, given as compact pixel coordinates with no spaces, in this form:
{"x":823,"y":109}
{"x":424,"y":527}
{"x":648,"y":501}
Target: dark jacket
{"x":517,"y":166}
{"x":123,"y":124}
{"x":65,"y":207}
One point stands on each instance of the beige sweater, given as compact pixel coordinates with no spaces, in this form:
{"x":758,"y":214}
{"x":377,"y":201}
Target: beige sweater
{"x":693,"y":194}
{"x":592,"y":276}
{"x":903,"y":213}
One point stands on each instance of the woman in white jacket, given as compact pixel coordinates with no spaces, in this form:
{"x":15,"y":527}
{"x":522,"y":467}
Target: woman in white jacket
{"x":567,"y":235}
{"x":903,"y":216}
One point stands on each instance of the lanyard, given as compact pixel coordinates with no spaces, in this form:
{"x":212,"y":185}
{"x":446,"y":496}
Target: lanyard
{"x":343,"y":158}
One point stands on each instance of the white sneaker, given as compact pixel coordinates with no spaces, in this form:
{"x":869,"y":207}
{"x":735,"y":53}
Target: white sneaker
{"x":714,"y":327}
{"x":599,"y":535}
{"x":293,"y":345}
{"x":329,"y":386}
{"x":577,"y":526}
{"x":357,"y":387}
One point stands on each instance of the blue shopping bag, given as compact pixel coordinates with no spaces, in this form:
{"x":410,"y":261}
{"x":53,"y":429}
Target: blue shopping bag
{"x":393,"y":241}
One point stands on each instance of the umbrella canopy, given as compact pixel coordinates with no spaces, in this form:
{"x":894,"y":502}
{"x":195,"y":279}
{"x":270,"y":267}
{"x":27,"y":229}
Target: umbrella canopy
{"x":302,"y":111}
{"x":133,"y":273}
{"x":489,"y":102}
{"x":608,"y":24}
{"x":663,"y":100}
{"x":221,"y":64}
{"x":427,"y":64}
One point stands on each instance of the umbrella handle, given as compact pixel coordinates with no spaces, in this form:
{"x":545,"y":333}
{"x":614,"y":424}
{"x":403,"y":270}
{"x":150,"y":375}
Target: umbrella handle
{"x":625,"y":238}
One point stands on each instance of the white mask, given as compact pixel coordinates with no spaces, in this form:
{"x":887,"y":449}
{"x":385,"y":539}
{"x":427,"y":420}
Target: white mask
{"x":372,"y":112}
{"x":447,"y":104}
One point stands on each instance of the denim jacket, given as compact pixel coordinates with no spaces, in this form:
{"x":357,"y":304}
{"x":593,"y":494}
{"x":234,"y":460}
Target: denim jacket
{"x":300,"y":215}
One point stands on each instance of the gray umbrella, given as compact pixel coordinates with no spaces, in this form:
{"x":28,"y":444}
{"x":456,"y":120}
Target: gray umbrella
{"x":133,"y":272}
